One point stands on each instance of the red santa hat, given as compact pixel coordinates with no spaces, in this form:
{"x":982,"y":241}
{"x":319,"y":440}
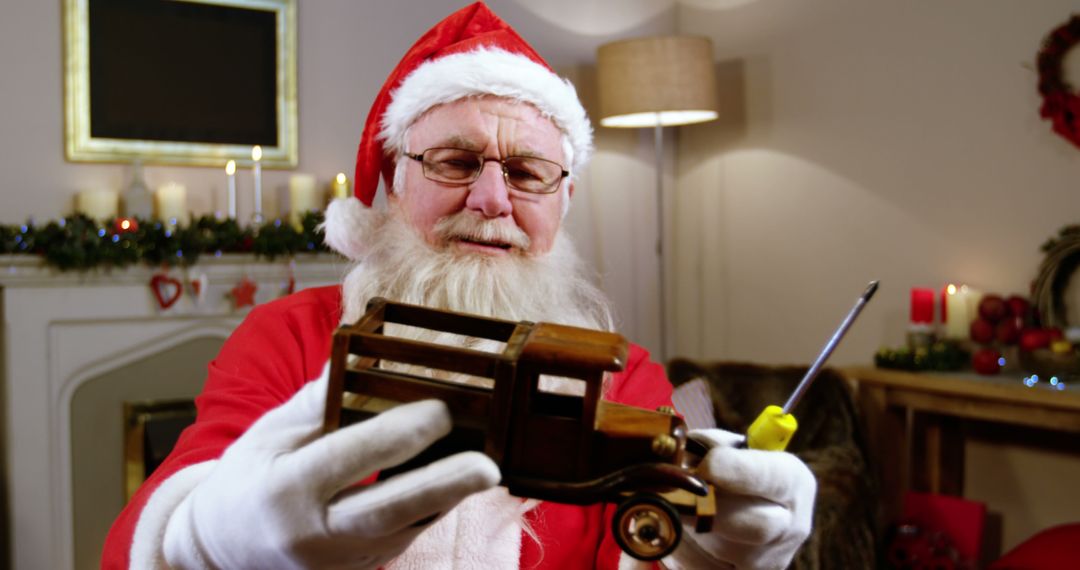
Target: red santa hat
{"x":471,"y":53}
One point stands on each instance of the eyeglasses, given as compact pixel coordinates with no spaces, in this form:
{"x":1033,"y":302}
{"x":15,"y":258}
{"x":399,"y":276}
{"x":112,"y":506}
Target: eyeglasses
{"x":460,"y":166}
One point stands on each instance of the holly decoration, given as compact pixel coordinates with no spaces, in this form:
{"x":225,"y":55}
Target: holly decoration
{"x":79,"y":243}
{"x":1060,"y":103}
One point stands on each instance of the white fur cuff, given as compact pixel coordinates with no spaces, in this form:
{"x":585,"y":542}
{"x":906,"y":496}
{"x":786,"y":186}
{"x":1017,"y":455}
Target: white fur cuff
{"x":149,"y":537}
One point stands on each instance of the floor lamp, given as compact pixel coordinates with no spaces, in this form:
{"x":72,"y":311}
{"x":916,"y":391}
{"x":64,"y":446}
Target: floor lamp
{"x":657,"y":82}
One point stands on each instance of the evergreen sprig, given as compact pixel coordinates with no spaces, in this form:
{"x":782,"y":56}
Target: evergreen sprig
{"x":940,"y":357}
{"x":78,"y":243}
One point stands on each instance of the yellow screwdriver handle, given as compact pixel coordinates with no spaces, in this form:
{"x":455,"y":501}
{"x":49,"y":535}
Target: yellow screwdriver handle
{"x":772,"y":430}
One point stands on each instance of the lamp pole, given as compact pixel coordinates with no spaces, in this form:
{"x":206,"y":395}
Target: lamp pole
{"x":658,"y":140}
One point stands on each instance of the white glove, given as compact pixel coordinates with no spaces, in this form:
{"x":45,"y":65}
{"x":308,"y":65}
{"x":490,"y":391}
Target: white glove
{"x":283,"y":497}
{"x":764,"y":507}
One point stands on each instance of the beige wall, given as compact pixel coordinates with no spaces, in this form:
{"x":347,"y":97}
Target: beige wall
{"x":873,"y":140}
{"x":859,"y":140}
{"x":346,"y":49}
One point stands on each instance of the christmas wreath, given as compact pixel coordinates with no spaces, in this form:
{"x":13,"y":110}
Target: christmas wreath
{"x":1061,"y":104}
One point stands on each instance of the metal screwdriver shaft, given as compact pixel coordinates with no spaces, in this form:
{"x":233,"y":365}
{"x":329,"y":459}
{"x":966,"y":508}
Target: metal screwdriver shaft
{"x":812,"y":372}
{"x":773,"y":428}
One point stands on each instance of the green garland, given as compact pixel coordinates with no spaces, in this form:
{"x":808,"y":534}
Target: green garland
{"x":80,"y":243}
{"x":941,"y":357}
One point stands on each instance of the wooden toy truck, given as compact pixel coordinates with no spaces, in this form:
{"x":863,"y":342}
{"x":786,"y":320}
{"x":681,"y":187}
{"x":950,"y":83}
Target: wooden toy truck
{"x":552,"y":447}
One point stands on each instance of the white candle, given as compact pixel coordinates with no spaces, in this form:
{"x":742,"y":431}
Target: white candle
{"x":972,"y":297}
{"x":302,"y":198}
{"x":170,"y":201}
{"x":961,"y":308}
{"x":230,"y":174}
{"x":256,"y":156}
{"x":98,"y":204}
{"x":339,"y":188}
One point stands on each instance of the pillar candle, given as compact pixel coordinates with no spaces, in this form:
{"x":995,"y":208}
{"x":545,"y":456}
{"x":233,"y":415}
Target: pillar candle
{"x":339,"y":188}
{"x":98,"y":204}
{"x":959,"y":310}
{"x":922,"y":306}
{"x":302,"y":198}
{"x":972,"y":297}
{"x":170,"y":201}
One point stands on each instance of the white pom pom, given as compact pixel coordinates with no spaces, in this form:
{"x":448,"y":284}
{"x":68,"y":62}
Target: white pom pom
{"x":346,"y":227}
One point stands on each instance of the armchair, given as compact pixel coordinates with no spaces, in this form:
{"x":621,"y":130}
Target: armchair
{"x":830,"y":440}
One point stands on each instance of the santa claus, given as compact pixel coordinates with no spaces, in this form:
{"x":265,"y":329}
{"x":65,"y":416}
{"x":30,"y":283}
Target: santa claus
{"x":477,"y":141}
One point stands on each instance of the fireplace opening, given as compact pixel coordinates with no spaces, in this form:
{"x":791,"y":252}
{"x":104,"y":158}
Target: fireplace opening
{"x":98,"y":463}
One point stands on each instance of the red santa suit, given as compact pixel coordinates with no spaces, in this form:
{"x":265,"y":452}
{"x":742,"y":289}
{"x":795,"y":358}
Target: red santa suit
{"x":284,"y":344}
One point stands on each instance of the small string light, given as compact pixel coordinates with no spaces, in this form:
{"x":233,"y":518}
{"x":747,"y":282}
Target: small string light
{"x":1054,"y":382}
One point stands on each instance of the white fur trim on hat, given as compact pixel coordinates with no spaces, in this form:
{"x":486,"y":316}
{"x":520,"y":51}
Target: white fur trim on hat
{"x":344,"y":229}
{"x":487,"y":72}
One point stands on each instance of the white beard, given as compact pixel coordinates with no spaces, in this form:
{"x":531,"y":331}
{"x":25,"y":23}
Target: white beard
{"x":554,"y":287}
{"x":401,"y":266}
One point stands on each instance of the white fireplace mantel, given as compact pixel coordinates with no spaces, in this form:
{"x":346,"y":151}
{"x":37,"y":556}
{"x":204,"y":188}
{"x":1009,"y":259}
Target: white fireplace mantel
{"x":63,"y":328}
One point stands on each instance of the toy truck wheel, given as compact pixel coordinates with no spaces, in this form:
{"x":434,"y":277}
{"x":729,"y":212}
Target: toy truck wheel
{"x":646,"y":527}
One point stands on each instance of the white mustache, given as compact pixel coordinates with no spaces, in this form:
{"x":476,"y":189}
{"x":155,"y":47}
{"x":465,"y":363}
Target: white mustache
{"x":464,"y":225}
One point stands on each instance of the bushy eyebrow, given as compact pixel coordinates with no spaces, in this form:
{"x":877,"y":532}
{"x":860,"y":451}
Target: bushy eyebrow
{"x":458,"y":141}
{"x":464,"y":143}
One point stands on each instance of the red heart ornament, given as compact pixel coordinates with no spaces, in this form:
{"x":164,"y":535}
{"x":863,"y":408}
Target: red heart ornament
{"x":166,"y":290}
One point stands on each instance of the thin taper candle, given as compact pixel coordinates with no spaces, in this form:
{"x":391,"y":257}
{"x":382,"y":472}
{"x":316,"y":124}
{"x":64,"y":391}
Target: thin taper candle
{"x":230,"y":174}
{"x":256,"y":156}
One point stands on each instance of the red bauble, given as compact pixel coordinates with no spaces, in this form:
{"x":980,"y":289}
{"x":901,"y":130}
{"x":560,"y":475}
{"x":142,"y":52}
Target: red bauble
{"x":993,"y":308}
{"x":982,"y":331}
{"x":1018,"y":306}
{"x":1054,"y":333}
{"x":986,"y":361}
{"x":1008,"y":330}
{"x":1034,"y":339}
{"x":124,"y":225}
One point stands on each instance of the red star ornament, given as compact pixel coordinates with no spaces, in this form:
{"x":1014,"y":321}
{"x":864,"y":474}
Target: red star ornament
{"x":243,"y":294}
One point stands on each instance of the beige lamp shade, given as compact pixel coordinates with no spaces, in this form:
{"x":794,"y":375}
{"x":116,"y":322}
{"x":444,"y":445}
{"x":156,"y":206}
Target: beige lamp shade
{"x":665,"y":80}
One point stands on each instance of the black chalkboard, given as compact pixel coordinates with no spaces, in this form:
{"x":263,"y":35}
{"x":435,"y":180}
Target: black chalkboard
{"x":166,"y":70}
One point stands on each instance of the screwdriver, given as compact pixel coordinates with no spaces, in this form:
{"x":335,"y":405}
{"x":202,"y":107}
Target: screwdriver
{"x":772,"y":430}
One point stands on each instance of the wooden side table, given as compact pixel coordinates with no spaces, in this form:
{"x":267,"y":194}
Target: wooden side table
{"x":914,"y":422}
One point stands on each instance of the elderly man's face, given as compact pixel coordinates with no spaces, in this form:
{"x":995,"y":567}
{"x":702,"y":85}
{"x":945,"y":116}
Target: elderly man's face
{"x":497,"y":128}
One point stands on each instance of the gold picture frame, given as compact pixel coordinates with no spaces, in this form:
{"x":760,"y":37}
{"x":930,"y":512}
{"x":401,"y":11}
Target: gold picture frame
{"x":86,"y":140}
